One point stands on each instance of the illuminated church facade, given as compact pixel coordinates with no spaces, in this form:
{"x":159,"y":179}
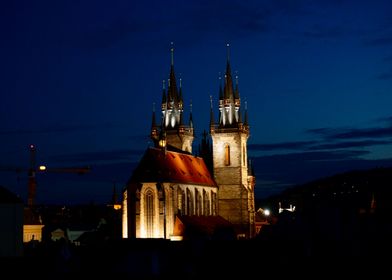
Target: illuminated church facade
{"x":172,"y":186}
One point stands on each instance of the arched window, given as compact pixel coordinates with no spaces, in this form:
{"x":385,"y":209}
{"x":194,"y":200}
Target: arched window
{"x":206,"y":204}
{"x":227,"y":154}
{"x":189,"y":203}
{"x":180,"y":202}
{"x":149,"y":210}
{"x":198,"y":203}
{"x":213,"y":203}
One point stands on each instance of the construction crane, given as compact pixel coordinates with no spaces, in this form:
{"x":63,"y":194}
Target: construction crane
{"x":33,"y":170}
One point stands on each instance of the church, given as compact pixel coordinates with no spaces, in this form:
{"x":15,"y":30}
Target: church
{"x":172,"y":189}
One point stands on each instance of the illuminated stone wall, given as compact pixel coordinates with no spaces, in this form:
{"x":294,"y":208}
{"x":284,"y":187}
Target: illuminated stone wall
{"x":156,"y":206}
{"x":236,"y":194}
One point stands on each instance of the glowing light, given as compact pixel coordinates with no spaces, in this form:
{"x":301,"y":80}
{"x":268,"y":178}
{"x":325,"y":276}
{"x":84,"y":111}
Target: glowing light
{"x":42,"y":167}
{"x":176,"y":238}
{"x":267,"y":212}
{"x":162,"y":143}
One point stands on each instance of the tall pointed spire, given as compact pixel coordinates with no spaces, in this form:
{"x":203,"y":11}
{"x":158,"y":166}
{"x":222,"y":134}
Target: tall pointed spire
{"x":172,"y":87}
{"x":154,"y":126}
{"x":236,"y":91}
{"x":246,"y":113}
{"x":174,"y":132}
{"x":153,"y":123}
{"x":228,"y":88}
{"x":228,"y":52}
{"x":180,"y":92}
{"x":163,"y":92}
{"x":190,"y":116}
{"x":172,"y":54}
{"x":212,"y":122}
{"x":220,"y":87}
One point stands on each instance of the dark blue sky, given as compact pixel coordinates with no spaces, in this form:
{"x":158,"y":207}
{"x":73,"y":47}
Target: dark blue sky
{"x":78,"y":80}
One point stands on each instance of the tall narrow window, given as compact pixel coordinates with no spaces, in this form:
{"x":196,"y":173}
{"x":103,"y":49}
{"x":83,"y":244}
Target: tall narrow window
{"x":227,"y":155}
{"x":206,"y":204}
{"x":198,"y":203}
{"x":149,"y":213}
{"x":189,"y":203}
{"x":243,"y":156}
{"x":181,"y":202}
{"x":213,"y":203}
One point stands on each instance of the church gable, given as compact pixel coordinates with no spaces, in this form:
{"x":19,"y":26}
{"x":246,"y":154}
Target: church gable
{"x":158,"y":165}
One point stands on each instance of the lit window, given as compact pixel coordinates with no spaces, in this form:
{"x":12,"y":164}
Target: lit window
{"x":227,"y":155}
{"x":150,"y":213}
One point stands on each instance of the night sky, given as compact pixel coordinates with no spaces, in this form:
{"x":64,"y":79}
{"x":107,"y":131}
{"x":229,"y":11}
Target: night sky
{"x":79,"y":78}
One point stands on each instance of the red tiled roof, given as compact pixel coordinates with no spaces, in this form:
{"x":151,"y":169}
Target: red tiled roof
{"x":204,"y":225}
{"x":158,"y":165}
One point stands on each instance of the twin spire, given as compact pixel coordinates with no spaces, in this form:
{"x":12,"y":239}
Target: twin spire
{"x":172,"y":107}
{"x":230,"y":115}
{"x":229,"y":99}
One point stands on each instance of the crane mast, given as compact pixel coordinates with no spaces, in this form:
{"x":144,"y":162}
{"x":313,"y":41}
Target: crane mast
{"x":32,"y":183}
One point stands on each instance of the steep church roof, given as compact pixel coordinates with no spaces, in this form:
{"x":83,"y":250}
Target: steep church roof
{"x":164,"y":166}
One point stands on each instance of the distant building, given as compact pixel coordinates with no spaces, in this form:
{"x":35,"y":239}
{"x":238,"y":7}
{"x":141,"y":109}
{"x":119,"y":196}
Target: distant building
{"x":11,"y":227}
{"x":32,"y":226}
{"x":171,"y":183}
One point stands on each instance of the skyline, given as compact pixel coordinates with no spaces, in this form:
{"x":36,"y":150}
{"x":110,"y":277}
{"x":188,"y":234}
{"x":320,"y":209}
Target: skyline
{"x":79,"y":80}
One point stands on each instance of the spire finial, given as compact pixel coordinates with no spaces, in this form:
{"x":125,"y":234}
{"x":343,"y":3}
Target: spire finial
{"x":180,"y":81}
{"x":246,"y":105}
{"x":163,"y":84}
{"x":190,"y":105}
{"x":236,"y":77}
{"x":228,"y":52}
{"x":153,"y":107}
{"x":172,"y":52}
{"x":211,"y":101}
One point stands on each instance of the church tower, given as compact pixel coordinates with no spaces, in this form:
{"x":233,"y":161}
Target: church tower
{"x":230,"y":158}
{"x":172,"y":131}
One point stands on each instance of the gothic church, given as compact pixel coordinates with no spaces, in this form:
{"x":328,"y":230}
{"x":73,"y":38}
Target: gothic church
{"x":171,"y":187}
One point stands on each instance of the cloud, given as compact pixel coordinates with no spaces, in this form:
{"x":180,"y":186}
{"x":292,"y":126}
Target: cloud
{"x":384,"y":76}
{"x":387,"y":120}
{"x":316,"y":145}
{"x":299,"y":145}
{"x":364,"y":133}
{"x":318,"y":156}
{"x":387,"y":58}
{"x":233,"y":17}
{"x":114,"y":32}
{"x":58,"y":128}
{"x":380,"y":41}
{"x":104,"y":156}
{"x":349,"y":144}
{"x":352,"y":133}
{"x":276,"y":172}
{"x":320,"y":32}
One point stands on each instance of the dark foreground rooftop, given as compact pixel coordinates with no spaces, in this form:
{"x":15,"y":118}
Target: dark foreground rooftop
{"x":162,"y":259}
